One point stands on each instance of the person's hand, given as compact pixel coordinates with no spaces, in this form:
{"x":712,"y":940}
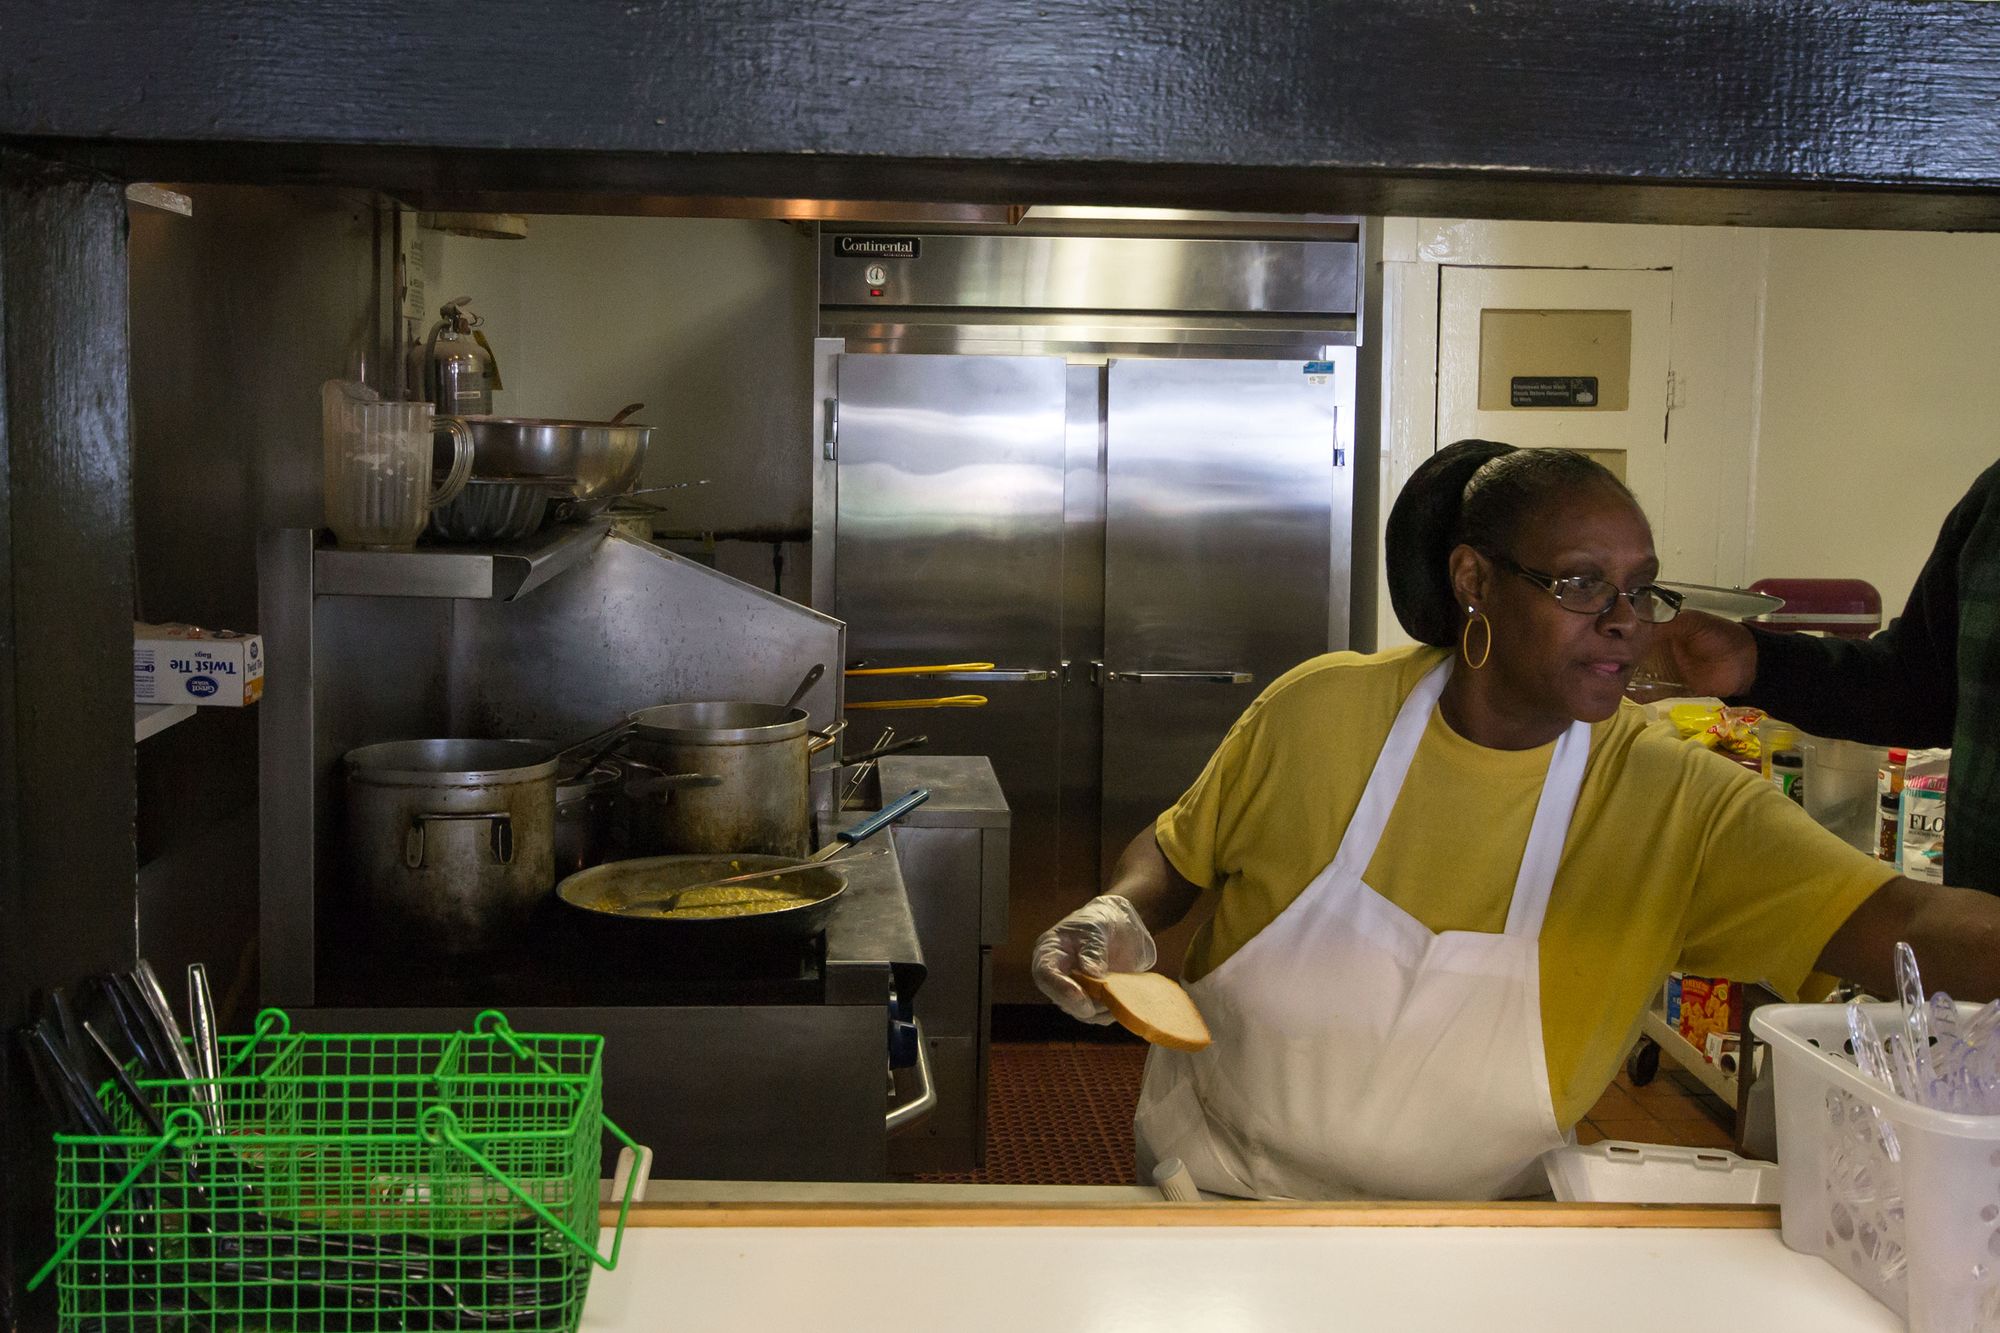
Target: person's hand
{"x":1104,"y":935}
{"x":1703,"y":653}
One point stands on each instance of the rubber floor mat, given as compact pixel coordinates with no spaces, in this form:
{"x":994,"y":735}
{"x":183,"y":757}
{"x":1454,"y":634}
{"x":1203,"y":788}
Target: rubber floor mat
{"x":1059,"y":1113}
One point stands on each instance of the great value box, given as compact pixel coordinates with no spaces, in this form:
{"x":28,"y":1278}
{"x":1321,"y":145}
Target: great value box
{"x":185,"y":664}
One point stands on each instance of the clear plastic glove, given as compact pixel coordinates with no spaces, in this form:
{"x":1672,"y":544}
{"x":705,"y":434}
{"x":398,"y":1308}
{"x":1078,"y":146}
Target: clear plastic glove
{"x":1104,"y":935}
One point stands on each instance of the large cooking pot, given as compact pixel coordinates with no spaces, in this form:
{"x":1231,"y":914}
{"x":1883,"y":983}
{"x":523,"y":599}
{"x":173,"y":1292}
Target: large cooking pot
{"x":452,"y":841}
{"x":759,"y":755}
{"x":585,"y":812}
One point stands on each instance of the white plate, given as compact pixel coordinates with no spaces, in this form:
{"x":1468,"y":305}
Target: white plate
{"x":1734,"y":603}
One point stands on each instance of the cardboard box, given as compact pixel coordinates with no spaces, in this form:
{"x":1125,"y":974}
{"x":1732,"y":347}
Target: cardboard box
{"x":1708,"y":1005}
{"x":1721,"y":1050}
{"x":184,"y":664}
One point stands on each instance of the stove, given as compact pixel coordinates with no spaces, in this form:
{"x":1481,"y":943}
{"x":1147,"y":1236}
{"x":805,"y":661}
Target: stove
{"x":787,"y":1062}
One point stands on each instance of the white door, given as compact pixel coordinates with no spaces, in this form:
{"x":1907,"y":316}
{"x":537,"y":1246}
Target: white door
{"x":1560,"y":358}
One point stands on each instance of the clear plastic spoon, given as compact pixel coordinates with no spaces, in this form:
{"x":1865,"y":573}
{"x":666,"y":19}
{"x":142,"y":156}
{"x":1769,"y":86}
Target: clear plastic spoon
{"x":1869,"y":1056}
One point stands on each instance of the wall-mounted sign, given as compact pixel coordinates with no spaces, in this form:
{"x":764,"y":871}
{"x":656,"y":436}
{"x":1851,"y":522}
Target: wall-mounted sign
{"x":877,"y":247}
{"x":1552,"y":391}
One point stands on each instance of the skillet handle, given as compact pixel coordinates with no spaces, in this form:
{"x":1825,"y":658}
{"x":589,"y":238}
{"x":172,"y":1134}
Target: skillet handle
{"x":884,"y":817}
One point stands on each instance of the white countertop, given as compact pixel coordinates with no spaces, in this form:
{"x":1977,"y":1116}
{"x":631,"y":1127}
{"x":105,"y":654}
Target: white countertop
{"x":1100,"y":1279}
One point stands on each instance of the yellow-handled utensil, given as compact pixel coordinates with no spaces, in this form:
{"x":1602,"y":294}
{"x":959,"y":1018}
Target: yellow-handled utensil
{"x":919,"y":670}
{"x":943,"y":701}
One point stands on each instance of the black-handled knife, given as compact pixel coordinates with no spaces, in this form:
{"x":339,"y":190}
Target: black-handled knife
{"x":138,"y":1100}
{"x":70,"y":1080}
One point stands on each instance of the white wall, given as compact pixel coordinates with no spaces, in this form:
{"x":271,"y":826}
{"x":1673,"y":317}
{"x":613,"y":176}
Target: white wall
{"x":708,"y":322}
{"x":1836,"y":392}
{"x":1881,"y":401}
{"x":1715,"y":352}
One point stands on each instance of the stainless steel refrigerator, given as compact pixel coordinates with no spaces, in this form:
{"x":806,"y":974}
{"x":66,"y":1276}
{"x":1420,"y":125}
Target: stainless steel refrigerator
{"x":1117,"y":469}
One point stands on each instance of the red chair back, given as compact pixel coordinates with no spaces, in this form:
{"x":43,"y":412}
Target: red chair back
{"x":1845,"y":608}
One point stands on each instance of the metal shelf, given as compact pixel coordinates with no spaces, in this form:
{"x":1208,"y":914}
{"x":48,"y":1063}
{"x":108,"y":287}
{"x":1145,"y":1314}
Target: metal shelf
{"x":1684,"y":1053}
{"x":152,"y":719}
{"x":496,"y":573}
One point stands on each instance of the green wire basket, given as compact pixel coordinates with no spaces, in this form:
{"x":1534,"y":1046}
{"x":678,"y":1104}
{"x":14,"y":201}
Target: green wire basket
{"x":344,"y":1184}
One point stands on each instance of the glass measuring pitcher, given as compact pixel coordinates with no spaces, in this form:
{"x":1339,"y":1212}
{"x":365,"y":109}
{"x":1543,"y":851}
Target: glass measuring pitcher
{"x":378,"y":466}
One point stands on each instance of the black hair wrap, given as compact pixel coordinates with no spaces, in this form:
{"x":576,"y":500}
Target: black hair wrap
{"x":1475,"y":493}
{"x":1423,"y":529}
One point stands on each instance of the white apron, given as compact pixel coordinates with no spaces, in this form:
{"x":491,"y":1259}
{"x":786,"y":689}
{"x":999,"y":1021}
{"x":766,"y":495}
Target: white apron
{"x":1358,"y":1054}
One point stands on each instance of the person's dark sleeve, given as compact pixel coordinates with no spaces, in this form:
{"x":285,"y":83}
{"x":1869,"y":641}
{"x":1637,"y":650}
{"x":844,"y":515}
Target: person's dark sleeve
{"x":1899,"y":687}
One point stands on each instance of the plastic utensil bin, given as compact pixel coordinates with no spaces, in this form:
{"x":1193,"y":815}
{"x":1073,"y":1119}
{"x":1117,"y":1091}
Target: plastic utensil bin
{"x":356,"y":1183}
{"x":1919,"y":1227}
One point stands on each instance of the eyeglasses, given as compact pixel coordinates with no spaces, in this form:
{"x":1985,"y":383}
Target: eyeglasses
{"x":1588,"y":596}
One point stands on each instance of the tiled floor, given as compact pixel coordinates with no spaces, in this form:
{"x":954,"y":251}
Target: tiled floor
{"x":1673,"y":1108}
{"x":1060,"y":1112}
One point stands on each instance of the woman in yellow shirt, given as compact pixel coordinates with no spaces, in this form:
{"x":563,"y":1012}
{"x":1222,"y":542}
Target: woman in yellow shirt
{"x":1452,"y":877}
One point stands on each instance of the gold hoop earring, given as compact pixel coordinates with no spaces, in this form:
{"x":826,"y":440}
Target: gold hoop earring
{"x":1465,"y":638}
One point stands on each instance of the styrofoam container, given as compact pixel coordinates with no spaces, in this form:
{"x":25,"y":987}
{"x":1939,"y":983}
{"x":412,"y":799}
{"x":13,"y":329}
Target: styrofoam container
{"x":1617,"y":1172}
{"x":1919,"y":1230}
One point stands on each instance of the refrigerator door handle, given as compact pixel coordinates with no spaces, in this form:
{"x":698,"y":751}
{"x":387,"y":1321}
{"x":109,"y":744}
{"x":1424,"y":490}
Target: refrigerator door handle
{"x":1185,"y":677}
{"x":1030,"y":674}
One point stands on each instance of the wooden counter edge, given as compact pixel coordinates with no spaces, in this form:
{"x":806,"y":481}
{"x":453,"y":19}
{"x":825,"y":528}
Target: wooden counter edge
{"x":1245,"y":1214}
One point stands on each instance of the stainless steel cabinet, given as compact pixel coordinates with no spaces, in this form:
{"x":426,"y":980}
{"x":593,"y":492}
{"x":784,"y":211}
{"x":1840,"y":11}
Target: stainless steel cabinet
{"x":1137,"y":546}
{"x":953,"y":851}
{"x":1219,"y":532}
{"x":950,"y":513}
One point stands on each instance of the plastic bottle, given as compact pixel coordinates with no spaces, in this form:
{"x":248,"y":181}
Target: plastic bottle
{"x":1889,"y":796}
{"x":1889,"y":778}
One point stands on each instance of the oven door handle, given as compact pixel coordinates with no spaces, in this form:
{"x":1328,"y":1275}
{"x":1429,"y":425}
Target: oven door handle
{"x":919,"y":1106}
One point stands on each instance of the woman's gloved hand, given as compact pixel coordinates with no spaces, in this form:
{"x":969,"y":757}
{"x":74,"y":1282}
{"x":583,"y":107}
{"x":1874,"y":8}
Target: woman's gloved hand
{"x":1102,"y":936}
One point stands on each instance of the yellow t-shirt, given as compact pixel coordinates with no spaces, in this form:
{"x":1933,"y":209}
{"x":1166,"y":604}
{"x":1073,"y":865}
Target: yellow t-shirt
{"x":1676,"y":858}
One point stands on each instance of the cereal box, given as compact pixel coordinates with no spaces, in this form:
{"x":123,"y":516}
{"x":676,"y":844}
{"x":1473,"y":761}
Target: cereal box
{"x":1708,"y":1005}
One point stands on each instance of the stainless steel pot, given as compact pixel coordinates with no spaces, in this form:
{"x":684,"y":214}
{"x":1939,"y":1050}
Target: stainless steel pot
{"x":584,"y":807}
{"x":452,"y":841}
{"x":759,"y":753}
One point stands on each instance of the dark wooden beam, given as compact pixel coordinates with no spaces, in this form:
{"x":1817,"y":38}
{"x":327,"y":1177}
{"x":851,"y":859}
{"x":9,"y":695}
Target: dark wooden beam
{"x":66,"y":763}
{"x":1814,"y":112}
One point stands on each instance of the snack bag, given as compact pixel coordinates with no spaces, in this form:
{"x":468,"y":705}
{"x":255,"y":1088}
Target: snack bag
{"x":1925,"y":779}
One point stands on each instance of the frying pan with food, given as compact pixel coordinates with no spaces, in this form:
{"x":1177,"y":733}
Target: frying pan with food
{"x":651,"y":894}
